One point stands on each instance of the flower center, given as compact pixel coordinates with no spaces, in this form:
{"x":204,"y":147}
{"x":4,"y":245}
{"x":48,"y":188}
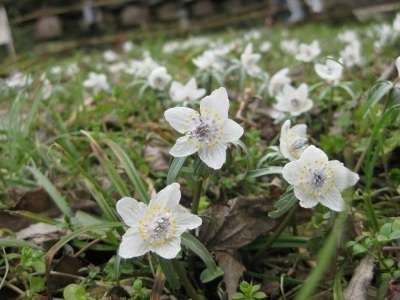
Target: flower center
{"x":295,"y":102}
{"x":318,"y":178}
{"x":297,"y":146}
{"x":205,"y":131}
{"x":157,"y":226}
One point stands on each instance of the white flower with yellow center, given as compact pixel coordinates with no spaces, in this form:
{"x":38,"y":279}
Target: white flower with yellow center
{"x":294,"y":101}
{"x":207,"y":133}
{"x":156,"y":227}
{"x":308,"y":52}
{"x":318,"y":180}
{"x":185,"y":93}
{"x":293,"y":141}
{"x":331,"y":71}
{"x":159,"y":78}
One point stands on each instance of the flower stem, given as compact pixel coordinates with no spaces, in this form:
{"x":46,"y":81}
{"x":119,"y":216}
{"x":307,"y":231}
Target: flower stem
{"x":190,"y":290}
{"x":196,"y":195}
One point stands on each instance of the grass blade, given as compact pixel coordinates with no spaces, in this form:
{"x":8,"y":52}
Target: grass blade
{"x":174,"y":169}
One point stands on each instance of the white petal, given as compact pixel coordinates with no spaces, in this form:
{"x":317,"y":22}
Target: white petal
{"x":168,"y":196}
{"x":132,"y":244}
{"x":175,"y":90}
{"x":186,"y":220}
{"x":344,"y":177}
{"x":184,"y":146}
{"x":216,"y":104}
{"x":333,"y":200}
{"x":170,"y":249}
{"x":313,"y":153}
{"x":214,"y":156}
{"x":130,"y":210}
{"x":300,"y":130}
{"x":302,"y":91}
{"x":305,"y":200}
{"x":283,"y":145}
{"x":291,"y":170}
{"x":232,"y":131}
{"x":181,"y":118}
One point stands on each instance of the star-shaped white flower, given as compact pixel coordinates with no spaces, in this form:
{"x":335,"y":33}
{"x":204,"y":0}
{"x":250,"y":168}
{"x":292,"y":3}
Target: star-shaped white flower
{"x":156,"y":227}
{"x":185,"y":93}
{"x":278,"y":81}
{"x":289,"y":46}
{"x":318,"y":180}
{"x":308,"y":52}
{"x":293,"y":141}
{"x":294,"y":101}
{"x":331,"y":71}
{"x":96,"y":82}
{"x":351,"y":54}
{"x":207,"y":133}
{"x":249,"y":61}
{"x":159,"y":78}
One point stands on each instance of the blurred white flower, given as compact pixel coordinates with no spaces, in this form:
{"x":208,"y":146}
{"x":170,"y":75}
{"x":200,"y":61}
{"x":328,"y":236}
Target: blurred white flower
{"x":171,"y":47}
{"x":72,"y":69}
{"x":117,"y":67}
{"x":293,"y":141}
{"x":96,"y":82}
{"x":207,"y":133}
{"x":290,"y":46}
{"x":47,"y":88}
{"x":128,"y":46}
{"x":293,"y":101}
{"x":185,"y":93}
{"x":265,"y":46}
{"x":159,"y":78}
{"x":156,"y":227}
{"x":384,"y":34}
{"x":278,"y":81}
{"x":18,"y":80}
{"x":110,"y":56}
{"x":330,"y":71}
{"x":351,"y":55}
{"x":252,"y":35}
{"x":396,"y":23}
{"x":209,"y":61}
{"x":56,"y":70}
{"x":308,"y":52}
{"x":249,"y":61}
{"x":348,"y":36}
{"x":318,"y":180}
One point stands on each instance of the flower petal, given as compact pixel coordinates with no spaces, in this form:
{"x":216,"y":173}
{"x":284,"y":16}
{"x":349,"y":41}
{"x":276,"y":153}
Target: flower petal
{"x":170,"y":249}
{"x":232,"y":131}
{"x":168,"y":197}
{"x":344,"y":177}
{"x":216,"y":104}
{"x":186,"y":220}
{"x":290,"y":172}
{"x":333,"y":200}
{"x":305,"y":200}
{"x":132,"y":244}
{"x":181,"y":118}
{"x":184,"y":146}
{"x":130,"y":210}
{"x":300,"y":130}
{"x":312,"y":153}
{"x":214,"y":156}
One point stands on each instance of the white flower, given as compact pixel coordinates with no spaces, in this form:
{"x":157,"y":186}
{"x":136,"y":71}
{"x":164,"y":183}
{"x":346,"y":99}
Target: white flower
{"x":351,"y":55}
{"x":117,"y":67}
{"x":396,"y":23}
{"x":293,"y":141}
{"x":128,"y":46}
{"x":185,"y":93}
{"x":159,"y":78}
{"x":207,"y":133}
{"x":294,"y":101}
{"x":72,"y":69}
{"x":56,"y":70}
{"x":110,"y":56}
{"x":209,"y":61}
{"x":96,"y":82}
{"x":249,"y":61}
{"x":171,"y":47}
{"x":18,"y":80}
{"x":290,"y":46}
{"x":318,"y":180}
{"x":331,"y":70}
{"x":308,"y":52}
{"x":142,"y":68}
{"x":348,"y":36}
{"x":265,"y":46}
{"x":384,"y":35}
{"x":278,"y":81}
{"x":156,"y":227}
{"x":47,"y":88}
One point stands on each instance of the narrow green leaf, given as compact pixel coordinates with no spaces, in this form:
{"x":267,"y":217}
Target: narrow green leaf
{"x":58,"y":199}
{"x":33,"y":216}
{"x":378,"y":92}
{"x":174,"y":169}
{"x":272,"y":170}
{"x":169,"y":271}
{"x":17,"y":243}
{"x":284,"y":204}
{"x":212,"y":271}
{"x":337,"y":287}
{"x":130,"y":170}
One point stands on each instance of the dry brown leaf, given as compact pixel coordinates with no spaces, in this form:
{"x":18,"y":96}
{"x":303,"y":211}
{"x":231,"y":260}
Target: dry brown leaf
{"x":362,"y":276}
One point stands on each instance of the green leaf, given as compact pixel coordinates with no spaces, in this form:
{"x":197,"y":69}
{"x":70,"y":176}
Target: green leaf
{"x":272,"y":170}
{"x":174,"y":169}
{"x":378,"y":92}
{"x":75,"y":292}
{"x":58,"y":199}
{"x":8,"y":242}
{"x":212,"y":271}
{"x":130,"y":170}
{"x":337,"y":287}
{"x":284,"y":204}
{"x":169,"y":271}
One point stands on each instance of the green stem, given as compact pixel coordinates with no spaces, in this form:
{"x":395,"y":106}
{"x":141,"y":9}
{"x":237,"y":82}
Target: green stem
{"x":190,"y":290}
{"x":281,"y":227}
{"x":196,"y":195}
